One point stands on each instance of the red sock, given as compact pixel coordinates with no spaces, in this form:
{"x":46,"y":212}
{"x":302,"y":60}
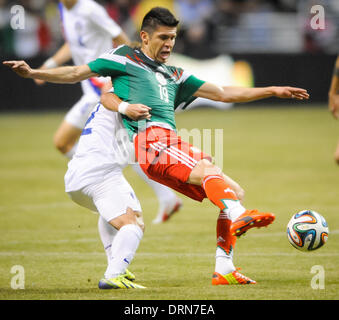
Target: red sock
{"x":218,"y":191}
{"x":225,"y":240}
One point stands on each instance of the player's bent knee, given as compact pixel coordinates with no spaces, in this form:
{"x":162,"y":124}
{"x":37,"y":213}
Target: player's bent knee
{"x":240,"y":192}
{"x":60,"y":144}
{"x":130,"y":217}
{"x":203,"y":169}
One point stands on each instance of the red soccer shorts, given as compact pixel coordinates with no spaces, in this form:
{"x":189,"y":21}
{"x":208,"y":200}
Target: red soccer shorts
{"x":165,"y":158}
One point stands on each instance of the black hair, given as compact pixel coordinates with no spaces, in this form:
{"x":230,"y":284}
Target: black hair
{"x":158,"y":16}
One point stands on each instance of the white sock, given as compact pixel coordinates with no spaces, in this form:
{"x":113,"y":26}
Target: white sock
{"x":234,"y":209}
{"x":164,"y":194}
{"x":71,"y":152}
{"x":107,"y":233}
{"x":223,"y":262}
{"x":123,"y":249}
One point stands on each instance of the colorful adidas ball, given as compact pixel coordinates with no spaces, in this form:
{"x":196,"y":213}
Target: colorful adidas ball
{"x":307,"y":230}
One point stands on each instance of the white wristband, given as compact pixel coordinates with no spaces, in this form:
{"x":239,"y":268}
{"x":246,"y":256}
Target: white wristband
{"x":123,"y":107}
{"x":50,"y":63}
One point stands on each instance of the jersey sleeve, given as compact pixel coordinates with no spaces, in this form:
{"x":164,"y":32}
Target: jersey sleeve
{"x":188,"y":87}
{"x":99,"y":17}
{"x":109,"y":64}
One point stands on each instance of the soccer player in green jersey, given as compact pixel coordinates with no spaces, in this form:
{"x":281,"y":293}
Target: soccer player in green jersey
{"x":141,"y":77}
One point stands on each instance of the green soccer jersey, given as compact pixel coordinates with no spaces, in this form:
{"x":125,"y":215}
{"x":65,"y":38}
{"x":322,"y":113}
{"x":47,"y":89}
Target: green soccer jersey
{"x":138,"y":79}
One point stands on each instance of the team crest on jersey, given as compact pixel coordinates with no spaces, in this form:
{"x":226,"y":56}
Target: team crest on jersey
{"x":161,"y":79}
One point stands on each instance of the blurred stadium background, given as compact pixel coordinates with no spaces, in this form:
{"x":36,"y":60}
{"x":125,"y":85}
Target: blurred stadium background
{"x":272,"y":41}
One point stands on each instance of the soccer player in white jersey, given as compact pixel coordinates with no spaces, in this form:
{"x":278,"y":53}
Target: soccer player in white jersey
{"x":88,"y":32}
{"x":194,"y":175}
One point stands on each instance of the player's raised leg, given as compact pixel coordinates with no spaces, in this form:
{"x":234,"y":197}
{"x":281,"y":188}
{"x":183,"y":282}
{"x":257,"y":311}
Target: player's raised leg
{"x":222,"y":195}
{"x":164,"y":157}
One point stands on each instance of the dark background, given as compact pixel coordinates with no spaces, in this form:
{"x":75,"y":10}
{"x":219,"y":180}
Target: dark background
{"x":274,"y":36}
{"x":308,"y":71}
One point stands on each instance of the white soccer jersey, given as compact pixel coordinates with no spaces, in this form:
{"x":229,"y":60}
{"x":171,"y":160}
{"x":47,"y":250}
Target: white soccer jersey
{"x":103,"y":147}
{"x":89,"y":31}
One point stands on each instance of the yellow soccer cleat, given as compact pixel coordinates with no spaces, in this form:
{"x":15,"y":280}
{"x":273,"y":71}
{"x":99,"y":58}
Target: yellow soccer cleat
{"x":119,"y":282}
{"x":129,"y":275}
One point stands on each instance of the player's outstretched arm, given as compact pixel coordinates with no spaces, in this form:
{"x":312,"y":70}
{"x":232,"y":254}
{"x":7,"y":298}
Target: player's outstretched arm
{"x":333,"y":94}
{"x":240,"y":94}
{"x":58,"y":59}
{"x":69,"y":74}
{"x":134,"y":111}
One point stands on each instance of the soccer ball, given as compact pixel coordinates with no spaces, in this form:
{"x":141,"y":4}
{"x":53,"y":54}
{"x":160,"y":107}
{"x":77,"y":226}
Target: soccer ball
{"x":307,"y":230}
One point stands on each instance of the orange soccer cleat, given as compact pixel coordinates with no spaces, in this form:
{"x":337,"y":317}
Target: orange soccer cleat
{"x":251,"y":219}
{"x":231,"y":278}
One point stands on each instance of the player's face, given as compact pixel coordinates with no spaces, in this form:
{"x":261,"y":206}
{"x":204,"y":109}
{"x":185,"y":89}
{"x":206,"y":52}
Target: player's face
{"x":160,"y":43}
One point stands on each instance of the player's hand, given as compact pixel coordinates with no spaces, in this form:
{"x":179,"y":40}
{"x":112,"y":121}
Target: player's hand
{"x":138,"y":112}
{"x":19,"y":67}
{"x":291,"y":93}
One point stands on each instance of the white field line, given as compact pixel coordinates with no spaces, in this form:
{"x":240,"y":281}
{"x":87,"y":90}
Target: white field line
{"x":275,"y":234}
{"x":96,"y":239}
{"x":37,"y":206}
{"x":69,"y":254}
{"x":51,"y":242}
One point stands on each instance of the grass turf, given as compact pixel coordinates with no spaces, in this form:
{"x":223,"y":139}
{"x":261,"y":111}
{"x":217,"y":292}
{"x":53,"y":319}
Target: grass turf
{"x":282,"y":157}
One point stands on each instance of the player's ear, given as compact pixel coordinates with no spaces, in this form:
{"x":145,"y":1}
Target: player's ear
{"x":144,"y":37}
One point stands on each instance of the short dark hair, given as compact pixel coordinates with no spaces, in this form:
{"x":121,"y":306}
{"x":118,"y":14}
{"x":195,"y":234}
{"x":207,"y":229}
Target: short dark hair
{"x":158,"y":16}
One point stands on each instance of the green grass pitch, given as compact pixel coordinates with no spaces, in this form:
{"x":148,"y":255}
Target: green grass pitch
{"x":282,"y":157}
